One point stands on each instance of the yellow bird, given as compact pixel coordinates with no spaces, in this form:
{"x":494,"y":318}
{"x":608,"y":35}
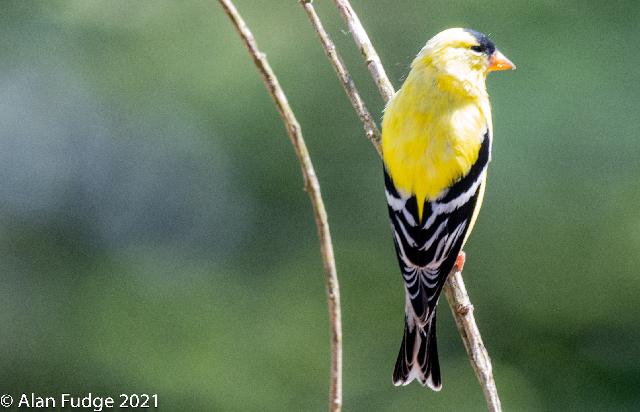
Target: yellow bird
{"x":436,"y":143}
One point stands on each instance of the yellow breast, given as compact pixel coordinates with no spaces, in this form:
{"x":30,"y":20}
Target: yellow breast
{"x":430,"y":137}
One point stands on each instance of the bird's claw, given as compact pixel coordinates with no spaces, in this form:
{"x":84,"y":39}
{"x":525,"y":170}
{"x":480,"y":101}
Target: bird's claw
{"x":459,"y":265}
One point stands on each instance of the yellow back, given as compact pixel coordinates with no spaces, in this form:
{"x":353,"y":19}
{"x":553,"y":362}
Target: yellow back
{"x":431,"y":134}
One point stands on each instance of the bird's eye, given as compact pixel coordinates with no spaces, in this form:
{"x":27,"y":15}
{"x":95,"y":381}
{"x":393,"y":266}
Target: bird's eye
{"x":478,"y":49}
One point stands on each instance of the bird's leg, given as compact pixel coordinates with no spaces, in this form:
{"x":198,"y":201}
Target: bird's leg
{"x":459,"y":265}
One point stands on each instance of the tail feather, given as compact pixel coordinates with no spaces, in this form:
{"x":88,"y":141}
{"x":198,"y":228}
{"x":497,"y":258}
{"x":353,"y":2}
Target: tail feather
{"x":418,"y":357}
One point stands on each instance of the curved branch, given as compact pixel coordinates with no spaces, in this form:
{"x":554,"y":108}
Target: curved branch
{"x":312,"y":186}
{"x":454,"y":288}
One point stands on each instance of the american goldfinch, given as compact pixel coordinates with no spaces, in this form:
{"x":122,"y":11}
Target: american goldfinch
{"x":436,"y":143}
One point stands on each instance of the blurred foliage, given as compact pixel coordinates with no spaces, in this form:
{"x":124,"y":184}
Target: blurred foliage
{"x":154,"y":235}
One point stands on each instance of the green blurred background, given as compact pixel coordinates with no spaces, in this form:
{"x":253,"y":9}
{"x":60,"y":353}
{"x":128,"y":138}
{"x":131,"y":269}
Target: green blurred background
{"x":155,"y":236}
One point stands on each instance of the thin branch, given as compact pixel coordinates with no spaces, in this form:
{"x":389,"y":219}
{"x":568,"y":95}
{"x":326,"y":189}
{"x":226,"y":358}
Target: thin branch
{"x":361,"y":38}
{"x":312,"y":186}
{"x":370,"y":127}
{"x":462,"y":311}
{"x":454,"y":288}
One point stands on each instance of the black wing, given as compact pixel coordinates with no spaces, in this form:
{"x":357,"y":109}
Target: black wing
{"x":427,"y":249}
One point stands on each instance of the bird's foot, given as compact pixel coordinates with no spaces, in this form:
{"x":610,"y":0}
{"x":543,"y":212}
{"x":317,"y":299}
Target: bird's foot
{"x":459,"y":265}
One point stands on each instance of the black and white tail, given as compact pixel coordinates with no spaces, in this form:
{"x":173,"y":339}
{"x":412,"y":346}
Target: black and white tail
{"x":418,"y":357}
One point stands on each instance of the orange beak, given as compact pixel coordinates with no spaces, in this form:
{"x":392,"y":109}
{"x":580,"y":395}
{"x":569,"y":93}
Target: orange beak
{"x":499,"y":61}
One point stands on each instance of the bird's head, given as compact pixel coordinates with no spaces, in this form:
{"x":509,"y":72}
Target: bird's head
{"x":461,"y":58}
